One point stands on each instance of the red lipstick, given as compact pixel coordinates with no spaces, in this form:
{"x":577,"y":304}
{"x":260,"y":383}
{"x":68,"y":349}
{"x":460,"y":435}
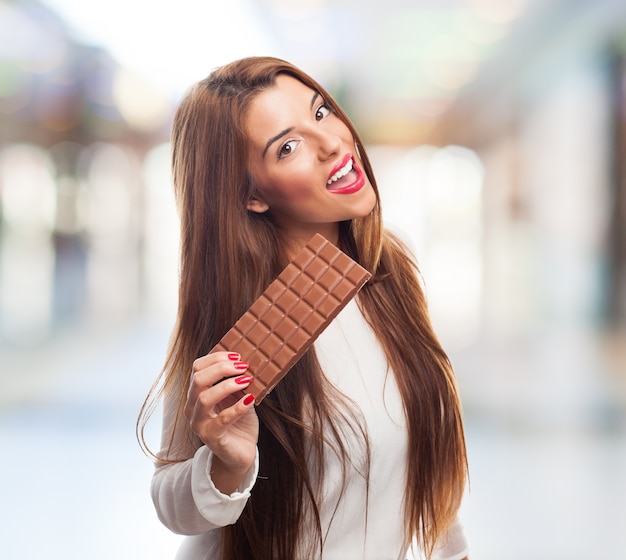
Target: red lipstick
{"x":346,"y":177}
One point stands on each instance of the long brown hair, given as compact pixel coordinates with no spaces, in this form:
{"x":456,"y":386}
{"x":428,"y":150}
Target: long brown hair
{"x":228,"y":256}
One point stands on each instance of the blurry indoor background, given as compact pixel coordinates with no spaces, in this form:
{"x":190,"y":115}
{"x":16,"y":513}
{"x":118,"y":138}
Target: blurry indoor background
{"x":498,"y":132}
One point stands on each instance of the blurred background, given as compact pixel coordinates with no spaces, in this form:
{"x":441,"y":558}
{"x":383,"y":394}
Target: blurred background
{"x":497,"y":129}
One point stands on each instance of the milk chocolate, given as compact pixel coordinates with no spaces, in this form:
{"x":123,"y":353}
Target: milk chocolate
{"x":278,"y":328}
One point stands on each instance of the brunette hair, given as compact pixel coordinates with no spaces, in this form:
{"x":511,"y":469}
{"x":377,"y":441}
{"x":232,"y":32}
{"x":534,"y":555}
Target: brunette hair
{"x":228,"y":256}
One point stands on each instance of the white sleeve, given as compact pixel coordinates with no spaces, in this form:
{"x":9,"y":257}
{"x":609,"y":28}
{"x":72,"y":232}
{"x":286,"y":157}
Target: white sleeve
{"x":188,"y":503}
{"x":452,"y":546}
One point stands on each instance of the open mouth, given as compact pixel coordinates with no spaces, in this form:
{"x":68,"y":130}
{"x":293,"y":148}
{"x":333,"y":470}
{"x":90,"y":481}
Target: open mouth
{"x":341,"y":173}
{"x":347,"y":179}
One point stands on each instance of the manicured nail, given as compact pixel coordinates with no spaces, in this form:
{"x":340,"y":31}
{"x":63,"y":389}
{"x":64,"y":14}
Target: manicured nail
{"x":241,"y":365}
{"x":248,"y":400}
{"x":234,"y":357}
{"x":243,"y":379}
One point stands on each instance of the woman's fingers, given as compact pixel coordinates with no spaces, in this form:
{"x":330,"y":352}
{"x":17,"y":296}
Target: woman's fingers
{"x":218,"y":411}
{"x":209,"y":372}
{"x":209,"y":421}
{"x":213,"y":358}
{"x":212,"y":400}
{"x":231,"y":414}
{"x":212,"y":368}
{"x":225,"y":420}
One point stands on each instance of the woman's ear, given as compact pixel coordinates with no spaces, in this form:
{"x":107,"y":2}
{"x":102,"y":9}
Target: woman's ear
{"x":256,"y":204}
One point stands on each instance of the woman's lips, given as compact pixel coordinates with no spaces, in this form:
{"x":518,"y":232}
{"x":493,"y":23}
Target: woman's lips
{"x":346,"y":177}
{"x":341,"y":169}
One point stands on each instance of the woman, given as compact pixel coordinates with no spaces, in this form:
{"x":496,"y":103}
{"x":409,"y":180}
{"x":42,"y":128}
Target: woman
{"x":359,"y":450}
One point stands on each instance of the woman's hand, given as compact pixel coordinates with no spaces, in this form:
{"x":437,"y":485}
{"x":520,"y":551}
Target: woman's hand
{"x":223,"y":417}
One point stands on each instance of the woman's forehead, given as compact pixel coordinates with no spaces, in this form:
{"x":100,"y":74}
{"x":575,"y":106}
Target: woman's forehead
{"x":285,"y":87}
{"x":278,"y":108}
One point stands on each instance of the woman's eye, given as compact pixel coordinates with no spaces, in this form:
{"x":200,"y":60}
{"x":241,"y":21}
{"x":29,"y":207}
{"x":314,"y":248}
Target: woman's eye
{"x":287,"y":148}
{"x":322,"y":112}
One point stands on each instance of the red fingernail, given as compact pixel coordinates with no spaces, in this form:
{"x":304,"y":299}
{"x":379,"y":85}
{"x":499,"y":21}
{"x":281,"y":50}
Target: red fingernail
{"x":243,"y":379}
{"x":234,"y":357}
{"x":248,"y":400}
{"x":241,"y":365}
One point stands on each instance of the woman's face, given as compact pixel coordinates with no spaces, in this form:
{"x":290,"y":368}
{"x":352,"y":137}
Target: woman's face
{"x":304,"y":163}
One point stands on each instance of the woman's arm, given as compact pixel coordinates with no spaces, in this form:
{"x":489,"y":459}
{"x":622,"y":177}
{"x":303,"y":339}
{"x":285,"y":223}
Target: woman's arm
{"x":211,"y":487}
{"x":453,"y":545}
{"x":187,"y":501}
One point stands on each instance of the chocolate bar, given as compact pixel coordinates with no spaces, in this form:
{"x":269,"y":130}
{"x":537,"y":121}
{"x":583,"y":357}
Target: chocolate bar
{"x":292,"y":312}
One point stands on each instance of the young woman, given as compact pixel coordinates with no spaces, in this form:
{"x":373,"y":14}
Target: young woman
{"x":359,"y":451}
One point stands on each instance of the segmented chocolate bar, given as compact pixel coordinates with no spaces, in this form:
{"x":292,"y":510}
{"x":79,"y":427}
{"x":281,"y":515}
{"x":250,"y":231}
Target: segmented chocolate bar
{"x":292,"y":312}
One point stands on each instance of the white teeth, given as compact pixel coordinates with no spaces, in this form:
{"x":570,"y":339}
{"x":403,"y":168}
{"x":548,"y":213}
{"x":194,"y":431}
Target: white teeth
{"x":341,"y":173}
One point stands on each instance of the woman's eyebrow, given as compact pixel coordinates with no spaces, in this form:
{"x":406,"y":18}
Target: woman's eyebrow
{"x":287,"y":130}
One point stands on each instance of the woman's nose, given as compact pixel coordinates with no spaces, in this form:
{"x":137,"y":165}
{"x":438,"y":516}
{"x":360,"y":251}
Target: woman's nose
{"x":329,"y":144}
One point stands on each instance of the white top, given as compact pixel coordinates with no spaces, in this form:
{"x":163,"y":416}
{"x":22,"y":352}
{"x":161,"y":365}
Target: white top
{"x":188,"y":503}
